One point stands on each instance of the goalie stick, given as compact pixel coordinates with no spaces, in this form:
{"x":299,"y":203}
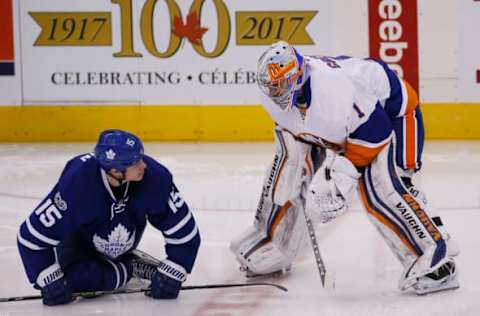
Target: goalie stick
{"x":130,"y":291}
{"x":327,"y":282}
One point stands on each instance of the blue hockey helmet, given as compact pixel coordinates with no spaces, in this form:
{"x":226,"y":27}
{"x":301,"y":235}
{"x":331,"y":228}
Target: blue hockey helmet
{"x":118,"y":149}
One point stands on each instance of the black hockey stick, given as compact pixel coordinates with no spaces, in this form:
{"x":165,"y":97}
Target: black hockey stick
{"x":130,"y":291}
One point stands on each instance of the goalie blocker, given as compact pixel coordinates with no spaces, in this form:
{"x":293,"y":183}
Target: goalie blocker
{"x":403,"y":220}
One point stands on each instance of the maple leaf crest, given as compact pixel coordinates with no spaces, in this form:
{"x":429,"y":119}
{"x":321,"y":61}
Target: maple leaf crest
{"x":119,"y":241}
{"x":191,"y":30}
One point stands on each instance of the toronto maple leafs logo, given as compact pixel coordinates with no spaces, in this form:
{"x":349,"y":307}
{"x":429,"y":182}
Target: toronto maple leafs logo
{"x":119,"y":242}
{"x":110,"y":154}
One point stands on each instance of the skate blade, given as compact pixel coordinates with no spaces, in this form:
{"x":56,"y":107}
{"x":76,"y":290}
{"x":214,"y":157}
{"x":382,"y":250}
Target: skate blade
{"x":424,"y":292}
{"x":275,"y":275}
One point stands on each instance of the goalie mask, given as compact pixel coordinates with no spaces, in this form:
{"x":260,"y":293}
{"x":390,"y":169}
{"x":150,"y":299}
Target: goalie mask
{"x":279,"y":74}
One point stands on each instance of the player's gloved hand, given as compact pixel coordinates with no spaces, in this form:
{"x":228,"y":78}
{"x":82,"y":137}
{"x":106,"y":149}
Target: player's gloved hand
{"x":53,"y":285}
{"x":167,"y":280}
{"x":331,"y":189}
{"x":57,"y":292}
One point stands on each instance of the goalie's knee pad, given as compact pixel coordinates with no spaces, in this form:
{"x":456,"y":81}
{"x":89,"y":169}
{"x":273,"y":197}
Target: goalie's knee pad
{"x":403,"y":221}
{"x":266,"y":249}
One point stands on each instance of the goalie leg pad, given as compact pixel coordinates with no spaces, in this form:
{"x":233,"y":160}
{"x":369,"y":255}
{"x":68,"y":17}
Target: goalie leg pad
{"x":403,"y":221}
{"x":262,"y":251}
{"x":292,"y":166}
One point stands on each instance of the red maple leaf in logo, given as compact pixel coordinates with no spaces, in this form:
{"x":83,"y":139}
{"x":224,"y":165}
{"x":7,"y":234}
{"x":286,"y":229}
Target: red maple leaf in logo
{"x":191,"y":30}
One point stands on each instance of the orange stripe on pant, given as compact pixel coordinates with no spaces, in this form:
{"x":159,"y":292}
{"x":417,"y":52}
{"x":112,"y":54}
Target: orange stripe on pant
{"x":410,"y":129}
{"x":385,"y":221}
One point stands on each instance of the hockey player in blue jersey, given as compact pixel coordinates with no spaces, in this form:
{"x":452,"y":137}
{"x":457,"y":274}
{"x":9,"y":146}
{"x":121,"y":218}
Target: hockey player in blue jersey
{"x":81,"y":236}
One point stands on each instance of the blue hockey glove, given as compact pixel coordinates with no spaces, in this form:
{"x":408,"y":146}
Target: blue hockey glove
{"x":167,"y":280}
{"x":54,"y":287}
{"x":57,"y":292}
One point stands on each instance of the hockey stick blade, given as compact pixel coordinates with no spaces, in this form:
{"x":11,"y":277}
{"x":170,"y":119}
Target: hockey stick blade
{"x":214,"y":286}
{"x":130,"y":291}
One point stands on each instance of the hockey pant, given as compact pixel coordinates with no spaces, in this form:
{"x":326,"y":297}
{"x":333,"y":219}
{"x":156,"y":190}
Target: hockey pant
{"x":87,"y":270}
{"x":402,"y":106}
{"x":404,"y":222}
{"x":278,"y":232}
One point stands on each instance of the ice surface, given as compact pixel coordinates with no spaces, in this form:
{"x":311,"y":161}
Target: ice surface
{"x":221,"y":183}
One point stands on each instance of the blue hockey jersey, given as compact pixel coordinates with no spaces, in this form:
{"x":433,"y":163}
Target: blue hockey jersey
{"x":82,"y":205}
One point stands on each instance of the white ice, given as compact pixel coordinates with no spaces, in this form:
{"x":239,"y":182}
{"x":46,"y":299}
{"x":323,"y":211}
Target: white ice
{"x":221,"y":182}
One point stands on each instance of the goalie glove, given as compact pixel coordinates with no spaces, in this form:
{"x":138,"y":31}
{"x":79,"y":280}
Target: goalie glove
{"x":331,"y":189}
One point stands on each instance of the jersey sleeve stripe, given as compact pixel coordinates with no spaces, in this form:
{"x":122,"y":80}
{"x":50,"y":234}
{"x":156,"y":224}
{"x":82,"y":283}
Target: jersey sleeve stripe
{"x":39,"y":236}
{"x":183,"y":240}
{"x":26,"y":243}
{"x":172,"y":206}
{"x":179,"y":225}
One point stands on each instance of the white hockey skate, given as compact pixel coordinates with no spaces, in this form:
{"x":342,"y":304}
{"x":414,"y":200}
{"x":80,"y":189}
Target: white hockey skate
{"x":444,"y":278}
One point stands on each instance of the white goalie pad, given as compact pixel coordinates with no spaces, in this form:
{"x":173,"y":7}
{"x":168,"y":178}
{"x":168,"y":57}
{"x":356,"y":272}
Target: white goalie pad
{"x":279,"y":229}
{"x":291,"y":167}
{"x":402,"y":219}
{"x":264,"y":252}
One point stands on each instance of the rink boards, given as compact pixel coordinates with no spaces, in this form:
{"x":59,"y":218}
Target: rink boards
{"x":191,"y":123}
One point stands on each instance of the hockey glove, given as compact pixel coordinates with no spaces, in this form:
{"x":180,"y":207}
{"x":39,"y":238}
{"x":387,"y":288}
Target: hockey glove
{"x":331,"y":189}
{"x":56,"y":293}
{"x":54,"y":287}
{"x":167,"y":280}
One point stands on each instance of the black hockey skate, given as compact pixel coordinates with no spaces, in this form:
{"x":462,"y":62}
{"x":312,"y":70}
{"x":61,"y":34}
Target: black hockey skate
{"x":143,"y":265}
